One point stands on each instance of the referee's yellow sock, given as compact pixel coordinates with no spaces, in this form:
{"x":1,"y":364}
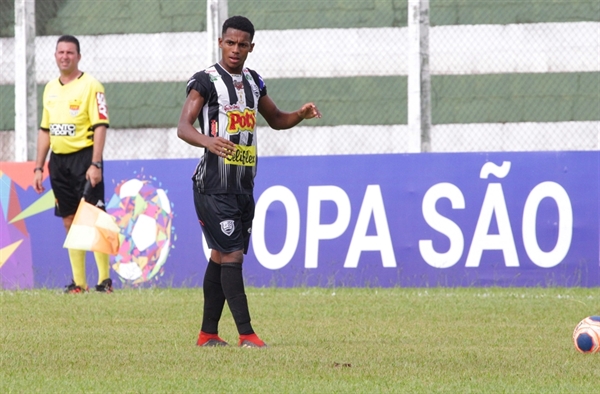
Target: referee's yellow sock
{"x":77,"y":258}
{"x":102,"y":261}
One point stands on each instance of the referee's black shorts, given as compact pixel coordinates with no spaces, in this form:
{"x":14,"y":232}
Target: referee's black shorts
{"x":67,"y":178}
{"x":226,"y":220}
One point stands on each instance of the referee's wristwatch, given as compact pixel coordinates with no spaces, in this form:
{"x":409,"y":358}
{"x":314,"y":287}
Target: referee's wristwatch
{"x":97,"y":164}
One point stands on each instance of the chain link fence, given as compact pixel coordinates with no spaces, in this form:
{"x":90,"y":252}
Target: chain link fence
{"x":505,"y":75}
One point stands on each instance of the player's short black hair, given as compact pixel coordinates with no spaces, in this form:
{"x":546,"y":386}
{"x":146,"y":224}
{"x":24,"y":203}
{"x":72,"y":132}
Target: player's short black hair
{"x":68,"y":38}
{"x":239,"y":23}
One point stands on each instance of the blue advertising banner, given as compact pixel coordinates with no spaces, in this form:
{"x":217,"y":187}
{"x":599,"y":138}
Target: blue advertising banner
{"x":418,"y":220}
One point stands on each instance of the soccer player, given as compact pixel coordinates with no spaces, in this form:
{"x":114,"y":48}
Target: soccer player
{"x":73,"y":127}
{"x":225,"y":98}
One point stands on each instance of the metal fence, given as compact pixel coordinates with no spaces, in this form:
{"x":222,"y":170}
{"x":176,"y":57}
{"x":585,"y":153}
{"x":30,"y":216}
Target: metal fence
{"x":505,"y":75}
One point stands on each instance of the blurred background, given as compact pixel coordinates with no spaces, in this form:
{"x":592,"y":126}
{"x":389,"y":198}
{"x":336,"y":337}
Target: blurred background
{"x":505,"y":75}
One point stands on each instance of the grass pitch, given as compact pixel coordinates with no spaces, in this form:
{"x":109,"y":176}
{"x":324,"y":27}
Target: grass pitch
{"x":343,"y":340}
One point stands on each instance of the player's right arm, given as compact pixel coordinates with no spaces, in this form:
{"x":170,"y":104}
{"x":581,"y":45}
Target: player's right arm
{"x":187,"y":132}
{"x":43,"y":146}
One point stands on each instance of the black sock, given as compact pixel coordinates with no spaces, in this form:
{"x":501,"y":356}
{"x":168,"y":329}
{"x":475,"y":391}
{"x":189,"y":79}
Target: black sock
{"x":233,"y":287}
{"x":214,"y":298}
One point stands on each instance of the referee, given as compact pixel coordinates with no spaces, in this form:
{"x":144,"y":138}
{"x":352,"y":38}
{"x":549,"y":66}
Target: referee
{"x":73,"y":127}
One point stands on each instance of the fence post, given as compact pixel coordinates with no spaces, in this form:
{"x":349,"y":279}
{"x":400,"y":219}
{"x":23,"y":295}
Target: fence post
{"x":25,"y":81}
{"x":419,"y":82}
{"x":216,"y":13}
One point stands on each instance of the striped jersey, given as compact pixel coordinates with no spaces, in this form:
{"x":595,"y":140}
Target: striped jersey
{"x":230,"y":110}
{"x":72,"y":111}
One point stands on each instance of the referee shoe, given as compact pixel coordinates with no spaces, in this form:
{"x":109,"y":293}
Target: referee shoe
{"x":105,"y":286}
{"x":74,"y":289}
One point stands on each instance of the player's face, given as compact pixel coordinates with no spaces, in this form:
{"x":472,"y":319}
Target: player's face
{"x":67,"y":58}
{"x":235,"y":46}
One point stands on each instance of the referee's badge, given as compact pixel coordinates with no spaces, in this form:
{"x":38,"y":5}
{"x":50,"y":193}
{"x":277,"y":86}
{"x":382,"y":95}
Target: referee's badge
{"x":74,"y":107}
{"x":227,"y":226}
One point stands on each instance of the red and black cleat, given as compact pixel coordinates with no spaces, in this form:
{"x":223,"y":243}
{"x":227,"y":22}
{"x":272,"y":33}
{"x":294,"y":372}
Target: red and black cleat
{"x":251,"y":340}
{"x":210,"y":340}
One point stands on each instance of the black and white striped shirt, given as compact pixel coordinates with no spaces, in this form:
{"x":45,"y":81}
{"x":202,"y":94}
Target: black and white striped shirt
{"x":230,"y":111}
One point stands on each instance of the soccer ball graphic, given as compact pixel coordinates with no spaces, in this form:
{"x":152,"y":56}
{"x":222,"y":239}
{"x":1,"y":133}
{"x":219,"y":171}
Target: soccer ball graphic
{"x":143,"y":214}
{"x":586,"y":335}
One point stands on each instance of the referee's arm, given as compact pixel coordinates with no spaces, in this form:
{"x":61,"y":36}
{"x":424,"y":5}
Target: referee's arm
{"x":43,"y":146}
{"x":94,"y":174}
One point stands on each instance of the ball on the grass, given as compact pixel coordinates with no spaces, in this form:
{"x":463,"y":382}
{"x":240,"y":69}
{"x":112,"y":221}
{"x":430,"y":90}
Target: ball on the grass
{"x":586,"y":335}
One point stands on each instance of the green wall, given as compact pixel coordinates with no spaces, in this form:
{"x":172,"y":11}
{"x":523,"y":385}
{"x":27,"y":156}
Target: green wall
{"x":375,"y":100}
{"x":91,"y":17}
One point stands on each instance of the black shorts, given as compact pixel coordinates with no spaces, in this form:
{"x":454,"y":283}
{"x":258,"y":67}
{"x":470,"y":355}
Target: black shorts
{"x":67,"y":178}
{"x":226,"y":220}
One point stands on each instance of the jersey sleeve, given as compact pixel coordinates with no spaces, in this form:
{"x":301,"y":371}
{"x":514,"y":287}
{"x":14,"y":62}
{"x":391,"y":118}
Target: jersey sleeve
{"x":45,"y":124}
{"x":262,"y":87}
{"x":200,"y":82}
{"x":98,"y":109}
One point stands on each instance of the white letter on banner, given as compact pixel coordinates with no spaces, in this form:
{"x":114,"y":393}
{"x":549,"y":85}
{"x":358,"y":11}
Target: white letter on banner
{"x":372,"y":204}
{"x":443,"y":225}
{"x":493,"y":203}
{"x":565,"y":224}
{"x":264,"y":257}
{"x":316,"y":231}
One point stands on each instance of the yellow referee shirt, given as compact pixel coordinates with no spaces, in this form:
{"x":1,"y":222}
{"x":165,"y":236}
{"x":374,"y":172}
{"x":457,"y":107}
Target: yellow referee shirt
{"x":72,"y":111}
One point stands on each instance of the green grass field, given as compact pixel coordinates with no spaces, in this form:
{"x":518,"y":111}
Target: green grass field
{"x":344,"y":340}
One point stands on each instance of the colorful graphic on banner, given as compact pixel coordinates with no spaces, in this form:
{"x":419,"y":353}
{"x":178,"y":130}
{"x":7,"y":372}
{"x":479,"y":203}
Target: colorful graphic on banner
{"x":16,"y":266}
{"x":144,"y":215}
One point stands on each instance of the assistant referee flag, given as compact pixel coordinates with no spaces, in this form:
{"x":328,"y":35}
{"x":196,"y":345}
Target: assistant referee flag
{"x":93,"y":230}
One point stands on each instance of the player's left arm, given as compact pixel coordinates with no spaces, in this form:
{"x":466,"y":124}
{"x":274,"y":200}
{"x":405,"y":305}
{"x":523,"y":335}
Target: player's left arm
{"x":280,"y":120}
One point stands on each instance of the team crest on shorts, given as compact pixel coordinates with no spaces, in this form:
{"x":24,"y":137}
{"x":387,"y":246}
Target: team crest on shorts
{"x":227,"y":226}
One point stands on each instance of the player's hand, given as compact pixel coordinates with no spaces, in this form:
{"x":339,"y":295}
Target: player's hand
{"x":38,"y":177}
{"x":309,"y":111}
{"x":221,"y":147}
{"x":94,"y":175}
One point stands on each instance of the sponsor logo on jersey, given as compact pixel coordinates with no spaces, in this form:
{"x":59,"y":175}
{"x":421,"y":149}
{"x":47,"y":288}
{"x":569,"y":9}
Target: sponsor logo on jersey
{"x":62,"y":129}
{"x":241,"y":96}
{"x":214,"y":128}
{"x":74,"y":107}
{"x":255,"y":89}
{"x":232,"y":107}
{"x":102,"y":108}
{"x":213,"y":74}
{"x":241,"y":121}
{"x":243,"y":156}
{"x":227,"y":226}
